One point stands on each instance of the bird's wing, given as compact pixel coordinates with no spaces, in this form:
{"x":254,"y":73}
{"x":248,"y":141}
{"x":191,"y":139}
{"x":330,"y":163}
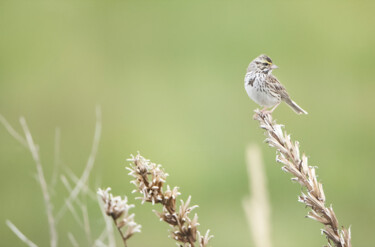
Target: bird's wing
{"x":277,"y":88}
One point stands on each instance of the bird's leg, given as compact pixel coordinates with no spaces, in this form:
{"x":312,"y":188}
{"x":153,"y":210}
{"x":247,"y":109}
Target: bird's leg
{"x":265,"y":111}
{"x":274,"y":107}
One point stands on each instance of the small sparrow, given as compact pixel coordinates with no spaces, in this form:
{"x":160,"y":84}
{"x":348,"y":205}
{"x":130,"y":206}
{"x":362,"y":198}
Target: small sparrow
{"x":264,"y":88}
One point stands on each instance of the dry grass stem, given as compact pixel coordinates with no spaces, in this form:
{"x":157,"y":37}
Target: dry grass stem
{"x":118,"y":210}
{"x":257,"y":206}
{"x":86,"y":223}
{"x":85,"y":188}
{"x":288,"y":154}
{"x":56,"y":162}
{"x":69,"y":205}
{"x":42,"y":181}
{"x":20,"y":235}
{"x":72,"y":240}
{"x":13,"y":132}
{"x":89,"y":165}
{"x":149,"y":179}
{"x":109,"y":233}
{"x":80,"y":187}
{"x":100,"y":239}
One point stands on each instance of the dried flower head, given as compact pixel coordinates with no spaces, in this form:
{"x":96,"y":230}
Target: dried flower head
{"x":203,"y":240}
{"x":149,"y":179}
{"x":118,"y":210}
{"x":288,"y":154}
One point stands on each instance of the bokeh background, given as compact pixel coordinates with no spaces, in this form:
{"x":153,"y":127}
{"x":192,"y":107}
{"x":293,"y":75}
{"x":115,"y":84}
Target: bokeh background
{"x":168,"y":76}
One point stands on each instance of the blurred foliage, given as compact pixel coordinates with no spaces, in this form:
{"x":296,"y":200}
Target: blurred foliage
{"x":169,"y":78}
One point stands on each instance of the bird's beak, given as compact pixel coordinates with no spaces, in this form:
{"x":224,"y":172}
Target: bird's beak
{"x":274,"y":66}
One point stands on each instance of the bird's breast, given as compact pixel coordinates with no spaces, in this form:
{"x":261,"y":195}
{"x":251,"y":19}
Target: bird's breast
{"x":257,"y":90}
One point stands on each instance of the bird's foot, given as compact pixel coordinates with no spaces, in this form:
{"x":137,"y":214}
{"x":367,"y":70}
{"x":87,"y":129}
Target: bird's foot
{"x":265,"y":111}
{"x":262,"y":112}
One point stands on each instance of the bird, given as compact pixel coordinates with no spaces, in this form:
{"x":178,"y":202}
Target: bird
{"x":264,"y":88}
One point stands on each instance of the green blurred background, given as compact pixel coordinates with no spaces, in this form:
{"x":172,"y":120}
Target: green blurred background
{"x":168,"y":76}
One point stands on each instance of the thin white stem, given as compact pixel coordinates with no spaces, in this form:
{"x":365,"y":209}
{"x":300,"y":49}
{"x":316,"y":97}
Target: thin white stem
{"x":99,"y":243}
{"x":89,"y":165}
{"x":72,"y":240}
{"x":13,"y":132}
{"x":19,"y":234}
{"x":85,"y":190}
{"x":100,"y":239}
{"x":86,"y":224}
{"x":69,"y":205}
{"x":42,"y":181}
{"x":56,"y":162}
{"x":108,"y":226}
{"x":257,"y":207}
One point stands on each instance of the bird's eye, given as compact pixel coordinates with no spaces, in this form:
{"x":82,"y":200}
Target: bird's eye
{"x":265,"y":64}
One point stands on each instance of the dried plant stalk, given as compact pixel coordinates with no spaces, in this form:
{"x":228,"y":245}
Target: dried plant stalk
{"x":19,"y":234}
{"x":149,"y":179}
{"x":80,"y":186}
{"x":257,"y":205}
{"x":42,"y":181}
{"x":89,"y":165}
{"x":289,"y":155}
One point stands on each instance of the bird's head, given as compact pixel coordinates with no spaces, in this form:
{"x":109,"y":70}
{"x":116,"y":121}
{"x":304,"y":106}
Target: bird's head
{"x":262,"y":64}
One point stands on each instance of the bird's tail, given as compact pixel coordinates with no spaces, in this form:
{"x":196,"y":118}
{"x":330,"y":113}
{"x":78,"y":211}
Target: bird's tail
{"x":295,"y":107}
